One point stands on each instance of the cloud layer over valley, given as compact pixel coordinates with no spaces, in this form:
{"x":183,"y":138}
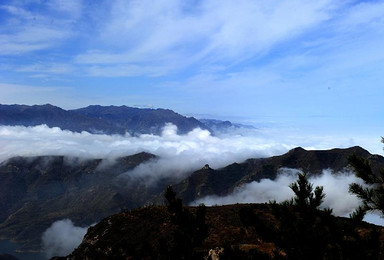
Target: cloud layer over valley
{"x":182,"y":154}
{"x":178,"y":153}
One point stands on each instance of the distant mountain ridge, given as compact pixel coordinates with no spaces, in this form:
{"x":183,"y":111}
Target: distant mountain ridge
{"x":224,"y":126}
{"x":98,"y":119}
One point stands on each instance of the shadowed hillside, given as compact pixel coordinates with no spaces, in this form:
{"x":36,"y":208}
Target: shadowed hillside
{"x":223,"y":181}
{"x":249,"y":231}
{"x":36,"y":191}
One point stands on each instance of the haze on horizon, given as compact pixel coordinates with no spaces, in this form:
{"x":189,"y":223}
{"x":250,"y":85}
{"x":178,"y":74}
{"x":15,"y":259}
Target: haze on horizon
{"x":312,"y":65}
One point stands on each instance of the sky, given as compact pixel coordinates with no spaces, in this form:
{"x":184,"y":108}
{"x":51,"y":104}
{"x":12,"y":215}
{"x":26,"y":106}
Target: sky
{"x":316,"y":65}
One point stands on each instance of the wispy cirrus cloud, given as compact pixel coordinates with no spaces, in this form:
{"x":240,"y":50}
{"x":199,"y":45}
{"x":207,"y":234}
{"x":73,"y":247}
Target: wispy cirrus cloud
{"x":50,"y":68}
{"x":26,"y":30}
{"x":169,"y":36}
{"x":207,"y":32}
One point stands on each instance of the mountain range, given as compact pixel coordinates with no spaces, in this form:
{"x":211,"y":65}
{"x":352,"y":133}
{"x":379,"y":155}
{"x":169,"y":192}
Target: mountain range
{"x":98,"y":119}
{"x":36,"y":191}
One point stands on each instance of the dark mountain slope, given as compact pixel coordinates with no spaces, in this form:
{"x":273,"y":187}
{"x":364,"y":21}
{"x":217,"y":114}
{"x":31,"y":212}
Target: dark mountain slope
{"x":222,"y":181}
{"x":7,"y":257}
{"x":250,"y":231}
{"x":97,"y":119}
{"x":36,"y":191}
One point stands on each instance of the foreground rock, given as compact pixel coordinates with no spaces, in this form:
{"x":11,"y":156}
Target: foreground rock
{"x":249,"y":231}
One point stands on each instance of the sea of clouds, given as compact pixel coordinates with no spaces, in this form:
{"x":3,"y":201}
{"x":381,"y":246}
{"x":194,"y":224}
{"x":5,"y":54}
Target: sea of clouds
{"x":179,"y":155}
{"x":197,"y":147}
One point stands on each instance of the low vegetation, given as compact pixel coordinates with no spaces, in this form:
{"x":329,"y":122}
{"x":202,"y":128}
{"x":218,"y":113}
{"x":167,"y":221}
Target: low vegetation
{"x":294,"y":229}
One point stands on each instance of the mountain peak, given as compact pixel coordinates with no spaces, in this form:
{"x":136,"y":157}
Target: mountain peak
{"x":297,"y":150}
{"x":98,"y":119}
{"x":206,"y":167}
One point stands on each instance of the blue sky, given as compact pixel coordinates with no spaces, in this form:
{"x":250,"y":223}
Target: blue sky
{"x":312,"y":63}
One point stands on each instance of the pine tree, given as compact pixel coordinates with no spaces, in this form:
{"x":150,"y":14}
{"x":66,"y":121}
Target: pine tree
{"x":305,"y":197}
{"x":371,"y":196}
{"x":191,"y":230}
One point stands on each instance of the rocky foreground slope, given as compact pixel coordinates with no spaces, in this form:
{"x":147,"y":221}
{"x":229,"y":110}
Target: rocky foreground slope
{"x":249,"y":231}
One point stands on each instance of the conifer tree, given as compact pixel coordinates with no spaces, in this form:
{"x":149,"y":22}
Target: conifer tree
{"x":371,"y":196}
{"x":191,"y":230}
{"x":305,"y":197}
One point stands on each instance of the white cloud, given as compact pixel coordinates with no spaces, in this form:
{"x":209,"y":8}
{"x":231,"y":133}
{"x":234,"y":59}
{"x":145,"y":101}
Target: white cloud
{"x":254,"y":192}
{"x":336,"y":186}
{"x":179,"y":154}
{"x":247,"y":28}
{"x":61,"y":238}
